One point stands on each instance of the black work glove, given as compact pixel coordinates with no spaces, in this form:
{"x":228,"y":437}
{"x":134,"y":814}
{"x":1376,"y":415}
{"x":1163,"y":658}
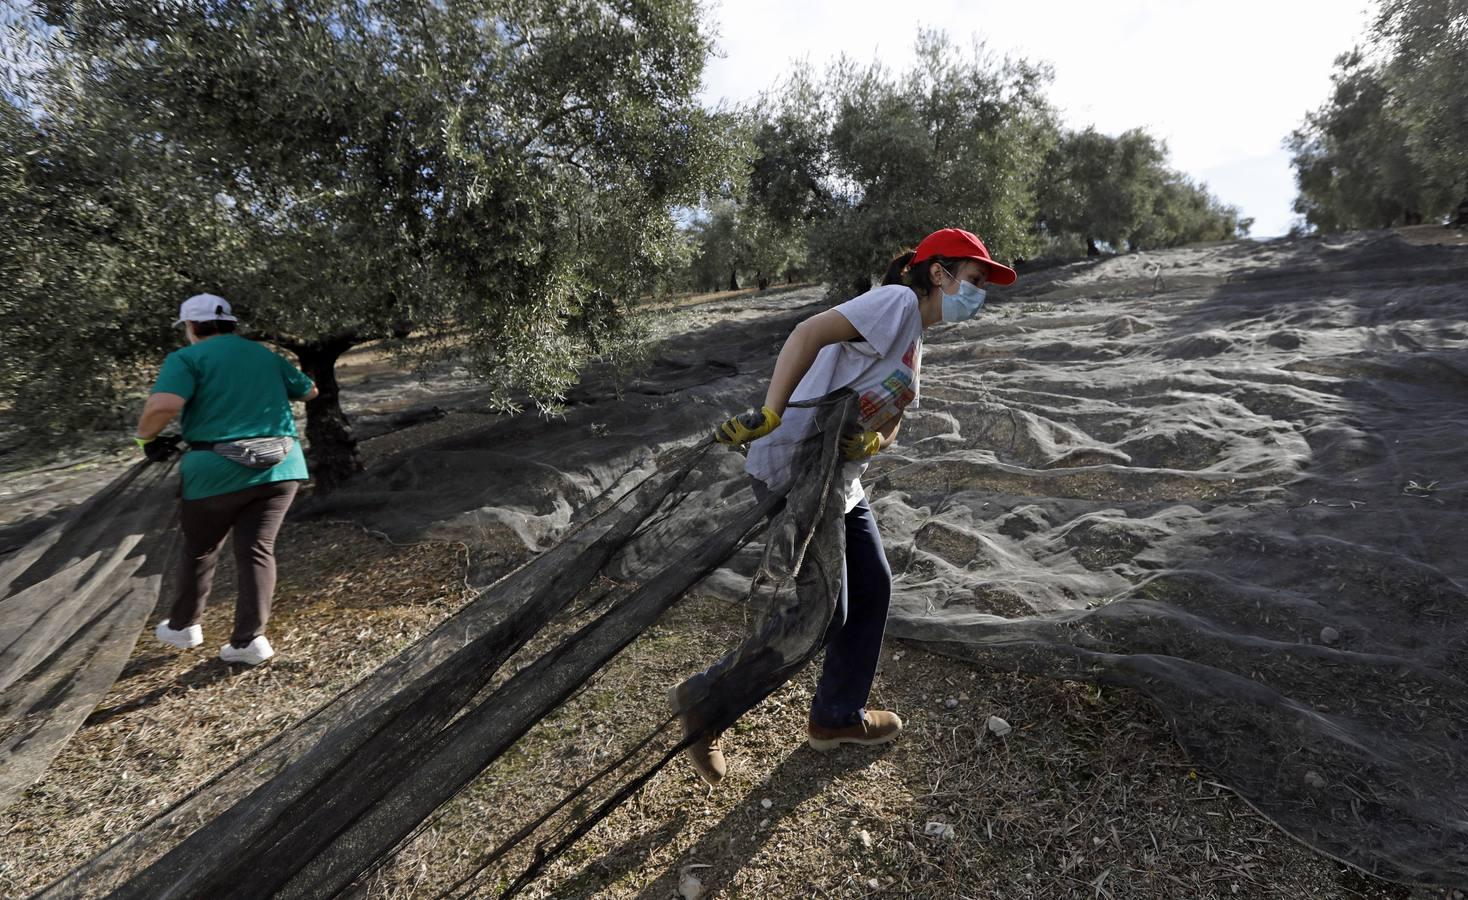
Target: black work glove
{"x":161,"y":448}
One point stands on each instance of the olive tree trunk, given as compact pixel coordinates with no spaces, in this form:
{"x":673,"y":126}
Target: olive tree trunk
{"x":332,"y":450}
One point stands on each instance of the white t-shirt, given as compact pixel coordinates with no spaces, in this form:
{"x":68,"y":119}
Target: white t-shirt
{"x":882,"y":369}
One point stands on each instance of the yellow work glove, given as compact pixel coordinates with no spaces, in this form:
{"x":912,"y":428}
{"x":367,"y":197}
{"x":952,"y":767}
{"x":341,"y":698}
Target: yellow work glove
{"x":861,"y":445}
{"x":746,"y":427}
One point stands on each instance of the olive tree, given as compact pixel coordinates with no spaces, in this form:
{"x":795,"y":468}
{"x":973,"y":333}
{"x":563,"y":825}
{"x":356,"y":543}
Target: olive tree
{"x":482,"y":178}
{"x":870,"y":160}
{"x":1354,"y":158}
{"x":1390,"y":144}
{"x":1426,"y":43}
{"x":1097,"y":189}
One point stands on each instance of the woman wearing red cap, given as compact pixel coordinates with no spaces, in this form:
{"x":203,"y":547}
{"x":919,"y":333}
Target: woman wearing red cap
{"x":873,"y":345}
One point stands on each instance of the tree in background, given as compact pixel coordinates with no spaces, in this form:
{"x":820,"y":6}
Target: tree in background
{"x":867,"y":161}
{"x":1118,"y":191}
{"x":1427,"y":43}
{"x":1390,"y":146}
{"x":721,"y":247}
{"x":753,"y":227}
{"x":1354,"y":161}
{"x":954,"y":139}
{"x":789,"y":156}
{"x":864,"y":162}
{"x":732,"y":239}
{"x":1184,"y":212}
{"x":490,"y":178}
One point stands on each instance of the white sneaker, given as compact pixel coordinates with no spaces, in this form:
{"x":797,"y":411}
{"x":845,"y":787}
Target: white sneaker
{"x":182,"y":638}
{"x":254,"y":654}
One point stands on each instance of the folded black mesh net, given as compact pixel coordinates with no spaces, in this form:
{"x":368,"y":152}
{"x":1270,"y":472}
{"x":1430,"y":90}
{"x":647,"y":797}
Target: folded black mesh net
{"x":72,"y":602}
{"x":327,"y":800}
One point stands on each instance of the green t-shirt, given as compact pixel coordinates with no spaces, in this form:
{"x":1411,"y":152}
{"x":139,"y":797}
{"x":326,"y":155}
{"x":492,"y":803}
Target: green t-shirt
{"x":234,"y":388}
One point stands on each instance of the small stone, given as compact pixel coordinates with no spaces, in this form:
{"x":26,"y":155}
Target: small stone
{"x":766,"y":803}
{"x":1314,"y":779}
{"x":690,"y":886}
{"x":866,"y":838}
{"x":939,"y":830}
{"x":873,"y":883}
{"x":1329,"y":635}
{"x":951,"y":703}
{"x":998,"y":727}
{"x":764,"y":823}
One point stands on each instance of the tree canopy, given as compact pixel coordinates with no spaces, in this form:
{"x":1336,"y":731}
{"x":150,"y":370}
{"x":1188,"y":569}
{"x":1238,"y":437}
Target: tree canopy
{"x":487,"y":177}
{"x":868,"y":159}
{"x":1390,"y":144}
{"x":859,"y":162}
{"x":1119,"y":191}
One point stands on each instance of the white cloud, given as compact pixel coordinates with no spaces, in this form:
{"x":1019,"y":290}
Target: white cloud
{"x":1223,"y":84}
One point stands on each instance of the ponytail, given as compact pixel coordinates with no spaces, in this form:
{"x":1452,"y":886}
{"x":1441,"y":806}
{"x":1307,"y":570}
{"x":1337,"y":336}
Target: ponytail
{"x":901,"y":271}
{"x":897,"y":269}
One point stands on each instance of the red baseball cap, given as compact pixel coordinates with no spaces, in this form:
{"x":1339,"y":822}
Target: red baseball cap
{"x":955,"y":243}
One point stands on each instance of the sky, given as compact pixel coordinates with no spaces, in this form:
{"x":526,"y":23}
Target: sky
{"x":1222,"y":83}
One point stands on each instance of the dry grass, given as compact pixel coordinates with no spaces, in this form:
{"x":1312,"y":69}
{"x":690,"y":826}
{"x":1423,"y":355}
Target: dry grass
{"x":678,"y":301}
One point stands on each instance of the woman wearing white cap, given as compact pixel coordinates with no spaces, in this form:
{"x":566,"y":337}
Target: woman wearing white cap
{"x":241,"y":471}
{"x":872,"y":345}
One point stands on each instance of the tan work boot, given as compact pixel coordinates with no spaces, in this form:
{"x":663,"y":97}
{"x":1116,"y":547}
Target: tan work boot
{"x":705,"y":754}
{"x":877,"y":727}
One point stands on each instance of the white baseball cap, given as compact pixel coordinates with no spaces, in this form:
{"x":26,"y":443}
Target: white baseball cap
{"x":204,"y":308}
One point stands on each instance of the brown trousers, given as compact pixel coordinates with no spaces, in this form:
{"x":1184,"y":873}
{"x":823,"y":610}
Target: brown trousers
{"x":255,"y":515}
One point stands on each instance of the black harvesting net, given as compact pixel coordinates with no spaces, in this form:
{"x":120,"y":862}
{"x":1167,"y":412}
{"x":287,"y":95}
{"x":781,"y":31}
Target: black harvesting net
{"x":72,"y":602}
{"x":310,"y":812}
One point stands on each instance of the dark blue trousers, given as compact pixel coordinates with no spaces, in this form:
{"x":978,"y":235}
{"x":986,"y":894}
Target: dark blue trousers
{"x":854,"y":640}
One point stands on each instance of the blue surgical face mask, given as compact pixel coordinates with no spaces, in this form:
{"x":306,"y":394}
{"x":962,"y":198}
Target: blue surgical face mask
{"x":965,"y":304}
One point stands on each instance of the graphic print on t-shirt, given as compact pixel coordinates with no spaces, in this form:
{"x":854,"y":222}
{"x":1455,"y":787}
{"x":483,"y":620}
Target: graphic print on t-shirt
{"x":881,"y":404}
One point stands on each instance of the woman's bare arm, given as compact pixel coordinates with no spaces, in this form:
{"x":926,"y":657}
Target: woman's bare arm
{"x":800,"y":351}
{"x":889,"y":432}
{"x":160,"y":409}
